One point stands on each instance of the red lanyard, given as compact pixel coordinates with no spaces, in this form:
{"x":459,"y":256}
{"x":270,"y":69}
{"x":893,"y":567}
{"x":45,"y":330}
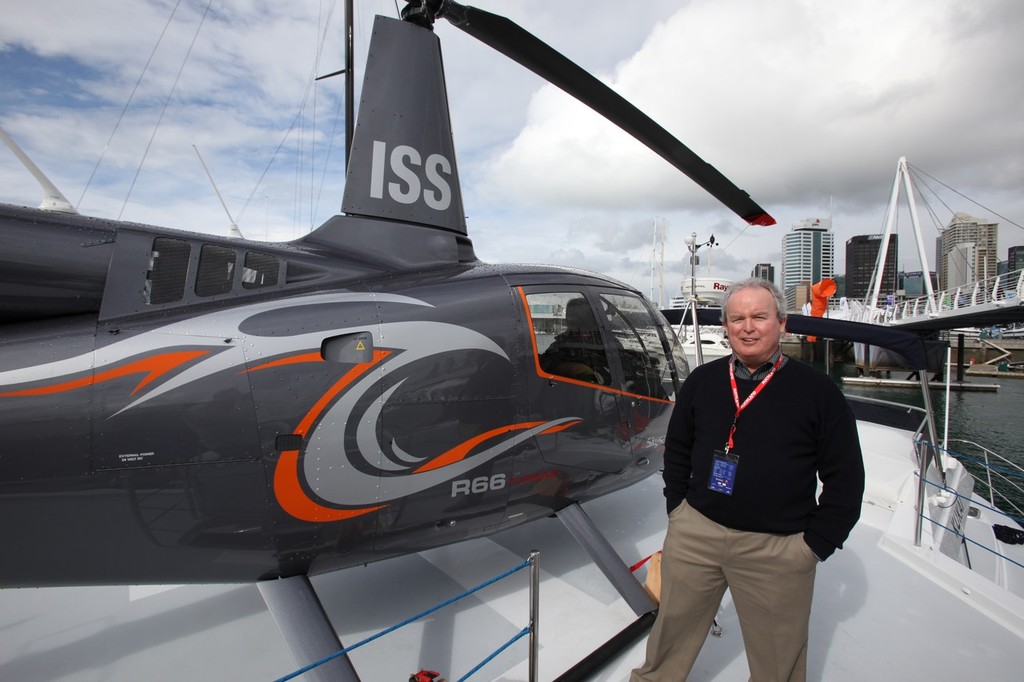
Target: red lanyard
{"x":750,"y":398}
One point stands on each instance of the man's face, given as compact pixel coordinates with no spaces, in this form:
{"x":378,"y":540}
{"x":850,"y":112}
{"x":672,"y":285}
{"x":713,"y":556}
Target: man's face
{"x":753,"y":325}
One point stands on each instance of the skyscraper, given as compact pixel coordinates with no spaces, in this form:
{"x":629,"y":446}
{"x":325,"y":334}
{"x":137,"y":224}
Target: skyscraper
{"x":967,"y":251}
{"x":764,"y":271}
{"x":808,"y":256}
{"x":861,"y":258}
{"x":1015,"y":258}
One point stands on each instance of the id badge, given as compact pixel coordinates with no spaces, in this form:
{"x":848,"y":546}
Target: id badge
{"x":723,"y":471}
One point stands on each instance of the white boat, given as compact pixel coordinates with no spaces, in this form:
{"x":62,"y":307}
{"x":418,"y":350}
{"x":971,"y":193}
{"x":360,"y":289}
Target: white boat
{"x":706,"y":294}
{"x":714,"y":343}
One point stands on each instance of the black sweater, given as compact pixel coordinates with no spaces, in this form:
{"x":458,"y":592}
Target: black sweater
{"x":797,"y":429}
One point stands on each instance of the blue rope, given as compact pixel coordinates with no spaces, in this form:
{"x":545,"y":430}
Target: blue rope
{"x":522,"y":633}
{"x":964,"y":537}
{"x":976,"y":503}
{"x":405,"y":622}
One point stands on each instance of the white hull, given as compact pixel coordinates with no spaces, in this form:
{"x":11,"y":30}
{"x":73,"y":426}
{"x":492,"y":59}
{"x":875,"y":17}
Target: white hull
{"x":708,"y":353}
{"x":714,"y":344}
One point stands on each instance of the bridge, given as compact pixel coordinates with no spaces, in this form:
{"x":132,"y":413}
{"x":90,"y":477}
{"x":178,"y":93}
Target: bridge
{"x":993,"y":300}
{"x":996,"y":300}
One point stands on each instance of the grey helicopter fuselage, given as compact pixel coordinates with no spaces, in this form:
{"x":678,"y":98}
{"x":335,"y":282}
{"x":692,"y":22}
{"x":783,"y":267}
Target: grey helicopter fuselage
{"x":236,"y":411}
{"x":177,"y":407}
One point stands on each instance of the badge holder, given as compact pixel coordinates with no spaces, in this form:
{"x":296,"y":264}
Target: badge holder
{"x":723,"y":471}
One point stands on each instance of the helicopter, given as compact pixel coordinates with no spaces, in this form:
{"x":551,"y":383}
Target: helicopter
{"x":186,"y":408}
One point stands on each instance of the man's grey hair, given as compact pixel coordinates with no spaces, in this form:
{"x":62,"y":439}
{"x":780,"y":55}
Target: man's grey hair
{"x":756,"y":283}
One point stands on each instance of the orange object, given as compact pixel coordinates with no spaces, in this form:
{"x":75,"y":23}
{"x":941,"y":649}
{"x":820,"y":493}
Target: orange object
{"x":820,"y":293}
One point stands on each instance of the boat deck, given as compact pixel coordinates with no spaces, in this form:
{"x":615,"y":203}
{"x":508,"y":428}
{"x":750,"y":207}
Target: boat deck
{"x":874,"y":616}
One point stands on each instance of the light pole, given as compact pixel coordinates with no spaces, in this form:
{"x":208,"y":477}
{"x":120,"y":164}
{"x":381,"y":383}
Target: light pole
{"x":693,"y":246}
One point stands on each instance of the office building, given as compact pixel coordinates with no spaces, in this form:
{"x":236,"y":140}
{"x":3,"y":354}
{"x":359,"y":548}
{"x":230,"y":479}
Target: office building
{"x":967,"y":251}
{"x":808,"y":256}
{"x":861,"y":260}
{"x":765,"y":271}
{"x":911,"y":284}
{"x":1015,"y":259}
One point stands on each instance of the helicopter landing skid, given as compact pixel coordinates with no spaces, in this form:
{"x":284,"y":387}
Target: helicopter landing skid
{"x":604,"y":555}
{"x":306,"y":628}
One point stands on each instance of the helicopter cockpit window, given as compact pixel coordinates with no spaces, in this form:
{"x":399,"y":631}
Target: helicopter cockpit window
{"x":568,"y":338}
{"x":645,"y":366}
{"x":259,"y":270}
{"x":168,"y":270}
{"x":216,"y":270}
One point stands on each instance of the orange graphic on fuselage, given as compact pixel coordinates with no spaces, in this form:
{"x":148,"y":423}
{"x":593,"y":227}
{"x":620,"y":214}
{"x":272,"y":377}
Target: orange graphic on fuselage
{"x":288,"y":488}
{"x":153,"y":367}
{"x":459,"y":452}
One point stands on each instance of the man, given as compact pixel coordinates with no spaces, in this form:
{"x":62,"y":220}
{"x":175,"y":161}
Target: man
{"x":749,"y":436}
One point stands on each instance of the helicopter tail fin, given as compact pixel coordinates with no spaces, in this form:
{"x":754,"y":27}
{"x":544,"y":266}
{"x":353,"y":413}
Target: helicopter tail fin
{"x":402,"y":163}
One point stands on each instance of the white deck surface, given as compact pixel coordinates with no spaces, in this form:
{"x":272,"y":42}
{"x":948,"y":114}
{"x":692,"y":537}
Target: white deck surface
{"x":873,"y":617}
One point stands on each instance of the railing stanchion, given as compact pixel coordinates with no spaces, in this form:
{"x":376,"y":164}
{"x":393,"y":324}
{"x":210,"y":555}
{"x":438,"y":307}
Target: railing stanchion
{"x":922,"y":458}
{"x":988,"y":474}
{"x":534,"y":612}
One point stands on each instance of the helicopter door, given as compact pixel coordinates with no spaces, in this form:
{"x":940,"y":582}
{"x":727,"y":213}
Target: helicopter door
{"x":652,"y":366}
{"x":576,"y":375}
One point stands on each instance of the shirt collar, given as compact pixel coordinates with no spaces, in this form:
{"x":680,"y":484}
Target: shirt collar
{"x":742,"y":372}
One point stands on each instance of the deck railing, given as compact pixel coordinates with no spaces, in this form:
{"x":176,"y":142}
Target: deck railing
{"x":1003,"y":479}
{"x":1000,"y":290}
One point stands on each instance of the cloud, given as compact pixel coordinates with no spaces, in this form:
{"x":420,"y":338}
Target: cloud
{"x":794,"y":100}
{"x":805,"y":105}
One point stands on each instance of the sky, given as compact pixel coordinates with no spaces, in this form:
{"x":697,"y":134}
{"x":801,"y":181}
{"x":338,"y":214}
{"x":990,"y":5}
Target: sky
{"x":806,"y":105}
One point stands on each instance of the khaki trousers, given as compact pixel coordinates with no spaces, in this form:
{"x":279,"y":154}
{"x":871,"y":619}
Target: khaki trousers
{"x":772,"y":581}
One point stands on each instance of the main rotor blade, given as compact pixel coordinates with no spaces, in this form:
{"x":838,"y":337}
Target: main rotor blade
{"x":518,"y":44}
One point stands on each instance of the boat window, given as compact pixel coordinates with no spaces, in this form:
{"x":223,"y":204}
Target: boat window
{"x":259,"y":270}
{"x":216,"y":270}
{"x":643,"y":347}
{"x":168,"y":269}
{"x":568,"y":338}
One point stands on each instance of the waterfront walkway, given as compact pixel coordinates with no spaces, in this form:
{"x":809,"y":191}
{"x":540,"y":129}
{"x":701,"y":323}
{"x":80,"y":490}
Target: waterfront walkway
{"x":994,"y":301}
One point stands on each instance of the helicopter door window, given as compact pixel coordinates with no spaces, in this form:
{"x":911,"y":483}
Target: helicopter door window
{"x":216,"y":270}
{"x":568,"y":338}
{"x":645,"y":364}
{"x":259,"y":270}
{"x":168,"y":270}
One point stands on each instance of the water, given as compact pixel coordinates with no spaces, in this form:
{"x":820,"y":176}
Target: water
{"x":994,"y":420}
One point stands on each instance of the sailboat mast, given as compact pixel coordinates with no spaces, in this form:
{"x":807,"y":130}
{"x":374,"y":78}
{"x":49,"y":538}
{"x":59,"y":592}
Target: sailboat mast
{"x":349,"y":82}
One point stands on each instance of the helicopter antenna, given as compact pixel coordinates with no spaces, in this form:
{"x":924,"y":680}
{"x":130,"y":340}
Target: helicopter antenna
{"x":53,"y":200}
{"x":233,"y":230}
{"x":349,"y":81}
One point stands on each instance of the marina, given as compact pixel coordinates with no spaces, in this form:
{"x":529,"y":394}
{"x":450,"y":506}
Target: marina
{"x":989,"y":417}
{"x":374,"y":439}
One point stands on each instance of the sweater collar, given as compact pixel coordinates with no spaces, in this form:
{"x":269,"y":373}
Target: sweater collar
{"x":742,"y":372}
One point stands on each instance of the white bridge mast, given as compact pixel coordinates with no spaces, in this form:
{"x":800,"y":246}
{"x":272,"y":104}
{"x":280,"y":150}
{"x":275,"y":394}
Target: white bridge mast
{"x":902,"y":173}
